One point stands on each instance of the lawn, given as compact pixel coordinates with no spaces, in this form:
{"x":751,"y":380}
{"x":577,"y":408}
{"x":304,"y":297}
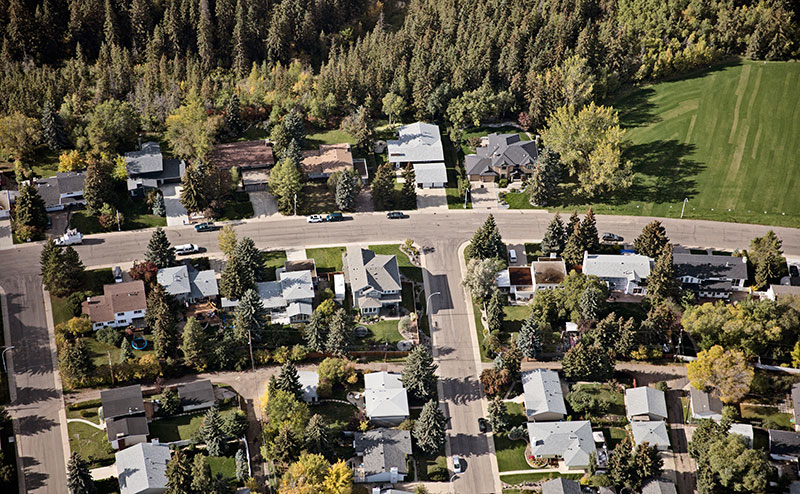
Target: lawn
{"x":602,"y":392}
{"x":93,"y":282}
{"x":766,"y":416}
{"x":406,"y":268}
{"x":510,"y":453}
{"x":237,"y":207}
{"x":613,"y":435}
{"x":316,"y":198}
{"x":91,"y":443}
{"x":327,"y":259}
{"x":533,"y":477}
{"x":519,"y":200}
{"x":87,"y":410}
{"x":272,"y":259}
{"x":181,"y":427}
{"x":456,"y":200}
{"x":338,"y":415}
{"x":135,"y":212}
{"x":226,"y":465}
{"x":383,"y":332}
{"x":100,"y":351}
{"x":334,"y":136}
{"x":515,"y":314}
{"x":726,"y":140}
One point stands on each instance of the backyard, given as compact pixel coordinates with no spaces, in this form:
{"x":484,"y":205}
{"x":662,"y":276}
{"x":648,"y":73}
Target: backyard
{"x":382,"y":332}
{"x":766,"y":416}
{"x":182,"y":426}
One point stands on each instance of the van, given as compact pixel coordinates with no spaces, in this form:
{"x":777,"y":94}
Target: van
{"x":512,"y":255}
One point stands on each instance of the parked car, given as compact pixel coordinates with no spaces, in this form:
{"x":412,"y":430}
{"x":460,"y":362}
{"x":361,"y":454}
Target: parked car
{"x":612,"y":237}
{"x":512,"y":255}
{"x":793,"y":271}
{"x":205,"y":227}
{"x":457,"y":464}
{"x":72,"y":237}
{"x":483,"y":425}
{"x":334,"y":217}
{"x":395,"y":215}
{"x":185,"y":249}
{"x":315,"y":218}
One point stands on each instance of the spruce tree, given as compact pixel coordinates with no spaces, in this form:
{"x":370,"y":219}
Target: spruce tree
{"x":317,"y":436}
{"x":588,"y":232}
{"x":346,"y":191}
{"x":212,"y":433}
{"x":75,"y":361}
{"x":652,"y":240}
{"x":529,"y":338}
{"x":494,"y":311}
{"x":195,"y":186}
{"x":233,"y":116}
{"x":419,"y":370}
{"x":161,"y":321}
{"x":125,"y":351}
{"x":98,"y":188}
{"x":487,"y":243}
{"x":240,"y":36}
{"x":409,"y":191}
{"x":591,"y":303}
{"x":286,"y":445}
{"x":340,"y":334}
{"x":159,"y":251}
{"x":201,"y":474}
{"x":49,"y":262}
{"x":79,"y":479}
{"x":52,"y":127}
{"x":315,"y":332}
{"x":543,"y":186}
{"x":429,"y":429}
{"x":179,"y":473}
{"x":29,"y":210}
{"x":554,"y":238}
{"x":158,"y":208}
{"x":249,"y":317}
{"x":498,"y":415}
{"x":294,"y":153}
{"x":537,"y":189}
{"x":662,"y":283}
{"x":195,"y":345}
{"x":383,"y":187}
{"x":242,"y":472}
{"x":289,"y":380}
{"x":72,"y":269}
{"x":569,"y":229}
{"x":574,"y":249}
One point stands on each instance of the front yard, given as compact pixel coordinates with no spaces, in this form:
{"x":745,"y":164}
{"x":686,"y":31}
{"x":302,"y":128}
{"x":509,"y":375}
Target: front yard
{"x":93,"y":283}
{"x":511,"y":453}
{"x":327,"y":259}
{"x":237,"y":207}
{"x":136,"y":216}
{"x":403,"y":262}
{"x":317,"y":198}
{"x":92,"y":443}
{"x":272,"y":259}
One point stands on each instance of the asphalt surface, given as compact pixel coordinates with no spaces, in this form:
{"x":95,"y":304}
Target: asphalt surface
{"x":38,"y":402}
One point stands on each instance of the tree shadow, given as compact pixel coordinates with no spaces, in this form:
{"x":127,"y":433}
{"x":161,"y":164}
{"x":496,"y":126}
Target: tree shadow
{"x":669,"y":170}
{"x":27,"y":395}
{"x":33,"y":480}
{"x":34,"y":424}
{"x":461,"y":390}
{"x":636,"y":109}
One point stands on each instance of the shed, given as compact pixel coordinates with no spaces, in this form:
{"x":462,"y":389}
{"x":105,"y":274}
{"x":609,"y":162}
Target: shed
{"x":196,"y":395}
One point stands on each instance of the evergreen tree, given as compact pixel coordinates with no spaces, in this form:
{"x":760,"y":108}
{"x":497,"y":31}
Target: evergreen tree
{"x":315,"y":332}
{"x":537,"y":188}
{"x":170,"y":402}
{"x":652,"y":240}
{"x":286,"y":181}
{"x":487,"y":243}
{"x":588,"y":232}
{"x":242,"y":471}
{"x":29,"y":211}
{"x":591,"y":303}
{"x":346,"y":191}
{"x":543,"y":186}
{"x":158,"y":208}
{"x":495,"y":314}
{"x":294,"y":153}
{"x":574,"y":249}
{"x":179,"y":474}
{"x":249,"y":317}
{"x":205,"y":37}
{"x":196,"y":184}
{"x":419,"y":376}
{"x":243,"y":270}
{"x":383,"y":187}
{"x":201,"y":474}
{"x":429,"y":429}
{"x":79,"y":479}
{"x":285,"y":447}
{"x":553,"y":241}
{"x":766,"y":255}
{"x":233,"y":114}
{"x":289,"y":380}
{"x":125,"y":351}
{"x":75,"y":361}
{"x":317,"y":436}
{"x":662,"y":283}
{"x":98,"y":188}
{"x":587,"y":362}
{"x":498,"y":415}
{"x":340,"y":334}
{"x":529,"y":338}
{"x":159,"y":251}
{"x":240,"y":36}
{"x":569,"y":229}
{"x":161,"y":321}
{"x":53,"y":133}
{"x":212,"y":433}
{"x":50,"y":263}
{"x":409,"y":192}
{"x":236,"y":424}
{"x":195,"y":345}
{"x":359,"y":124}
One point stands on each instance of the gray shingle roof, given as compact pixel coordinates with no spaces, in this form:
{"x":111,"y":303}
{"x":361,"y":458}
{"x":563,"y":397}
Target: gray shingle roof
{"x":561,"y":486}
{"x":50,"y":189}
{"x":705,"y":267}
{"x":271,"y":294}
{"x":416,"y":143}
{"x":383,"y":449}
{"x":503,"y":150}
{"x":784,"y":443}
{"x":122,"y":401}
{"x":430,"y":173}
{"x":297,"y":285}
{"x":571,"y":441}
{"x":704,"y":402}
{"x":146,"y":160}
{"x":186,"y":280}
{"x":127,"y":426}
{"x":645,"y":400}
{"x":659,"y":487}
{"x":141,"y":467}
{"x":627,"y":266}
{"x":543,"y":393}
{"x":196,"y":393}
{"x":653,"y":432}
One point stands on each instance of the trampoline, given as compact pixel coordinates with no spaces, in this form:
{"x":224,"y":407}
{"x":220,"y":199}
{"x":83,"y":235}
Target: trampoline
{"x":139,"y":343}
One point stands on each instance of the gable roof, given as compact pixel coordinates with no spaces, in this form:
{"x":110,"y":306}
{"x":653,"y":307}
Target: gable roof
{"x":561,"y":486}
{"x":704,"y":402}
{"x":196,"y":393}
{"x":141,"y":467}
{"x":248,"y":154}
{"x":328,"y":159}
{"x":645,"y":400}
{"x":633,"y":267}
{"x":188,"y":281}
{"x":704,"y":267}
{"x":366,"y":269}
{"x":543,"y":393}
{"x":383,"y":449}
{"x":779,"y":291}
{"x":271,"y":293}
{"x":784,"y":443}
{"x":127,"y":426}
{"x":297,"y":285}
{"x":501,"y":150}
{"x":117,"y":297}
{"x":652,"y":432}
{"x":147,"y":160}
{"x":572,"y":441}
{"x":659,"y":487}
{"x":416,"y":143}
{"x":123,"y":401}
{"x":430,"y":173}
{"x":384,"y":395}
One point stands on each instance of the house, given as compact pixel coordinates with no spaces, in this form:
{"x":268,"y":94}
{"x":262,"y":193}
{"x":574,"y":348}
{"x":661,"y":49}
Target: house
{"x":288,"y":300}
{"x":374,"y":280}
{"x":645,"y":403}
{"x":124,"y":416}
{"x":651,"y":432}
{"x":381,"y":455}
{"x":247,"y":155}
{"x":544,"y":398}
{"x":302,"y":265}
{"x":309,"y":381}
{"x":327,"y":160}
{"x":189,"y":285}
{"x":121,"y":305}
{"x":774,"y":292}
{"x":704,"y":405}
{"x":147,"y":168}
{"x":420,"y":144}
{"x":548,"y":273}
{"x":197,"y":395}
{"x":504,"y":156}
{"x":385,"y":398}
{"x":142,"y":469}
{"x":63,"y":190}
{"x":561,"y":486}
{"x":659,"y":487}
{"x":7,"y":199}
{"x":570,"y":442}
{"x":784,"y":445}
{"x":796,"y":405}
{"x":626,"y":273}
{"x":744,"y":430}
{"x":711,"y":276}
{"x":430,"y":175}
{"x":517,"y":281}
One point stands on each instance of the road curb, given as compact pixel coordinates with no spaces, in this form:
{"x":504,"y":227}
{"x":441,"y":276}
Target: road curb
{"x":62,"y":413}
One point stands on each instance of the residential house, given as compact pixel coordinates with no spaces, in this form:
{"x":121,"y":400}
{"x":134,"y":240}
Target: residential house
{"x":704,"y":405}
{"x":142,"y":469}
{"x":327,"y":160}
{"x":659,"y":487}
{"x":381,"y":455}
{"x":626,"y":273}
{"x":189,"y":285}
{"x":61,"y":191}
{"x":784,"y":445}
{"x":544,"y":398}
{"x":286,"y":301}
{"x":774,"y":292}
{"x":309,"y":381}
{"x":796,"y":405}
{"x":197,"y":395}
{"x":504,"y":156}
{"x":385,"y":398}
{"x":561,"y":486}
{"x":302,"y":265}
{"x":374,"y":280}
{"x":247,"y":155}
{"x":711,"y":276}
{"x":652,"y":432}
{"x":548,"y":273}
{"x":7,"y":199}
{"x":121,"y":305}
{"x":517,"y":281}
{"x":420,"y":144}
{"x":124,"y":416}
{"x":645,"y":403}
{"x":147,"y":168}
{"x":744,"y":430}
{"x":568,"y":442}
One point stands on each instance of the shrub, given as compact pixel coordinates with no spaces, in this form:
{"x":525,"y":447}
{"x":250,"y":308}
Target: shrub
{"x":438,"y":473}
{"x":404,"y":324}
{"x":502,"y":183}
{"x":74,"y":302}
{"x":109,"y":336}
{"x":299,"y":352}
{"x":662,"y":386}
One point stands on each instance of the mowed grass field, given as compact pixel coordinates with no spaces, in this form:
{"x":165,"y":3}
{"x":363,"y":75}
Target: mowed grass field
{"x":727,"y":140}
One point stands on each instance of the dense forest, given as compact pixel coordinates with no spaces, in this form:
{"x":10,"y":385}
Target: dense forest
{"x":326,"y":58}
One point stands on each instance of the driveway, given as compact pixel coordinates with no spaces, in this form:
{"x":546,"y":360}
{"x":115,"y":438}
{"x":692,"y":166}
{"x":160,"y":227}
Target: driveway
{"x":431,"y":199}
{"x":59,"y":222}
{"x":6,"y":242}
{"x":484,"y":195}
{"x":264,"y":204}
{"x":176,"y":213}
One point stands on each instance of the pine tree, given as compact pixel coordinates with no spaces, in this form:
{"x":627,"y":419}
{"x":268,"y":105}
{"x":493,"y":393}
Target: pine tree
{"x":289,"y":380}
{"x":249,"y":317}
{"x":662,"y":283}
{"x":574,"y":249}
{"x":285,"y":446}
{"x":75,"y":361}
{"x":179,"y":474}
{"x":409,"y":191}
{"x":429,"y":428}
{"x":212,"y":433}
{"x":494,"y":311}
{"x":79,"y":479}
{"x":29,"y":210}
{"x":383,"y":187}
{"x":233,"y":114}
{"x":72,"y":271}
{"x":588,"y":232}
{"x":53,"y":133}
{"x":49,"y":262}
{"x":544,"y":183}
{"x":537,"y":188}
{"x":158,"y":208}
{"x":529,"y":338}
{"x":315,"y":332}
{"x":205,"y":37}
{"x":498,"y":415}
{"x":161,"y":321}
{"x":159,"y":251}
{"x":240,"y":58}
{"x":346,"y":191}
{"x":487,"y":243}
{"x":242,"y":471}
{"x":340,"y":334}
{"x":553,"y":241}
{"x":317,"y":436}
{"x":652,"y":240}
{"x":125,"y":351}
{"x":569,"y":229}
{"x":110,"y":25}
{"x":195,"y":345}
{"x":419,"y":370}
{"x":591,"y":303}
{"x":201,"y":474}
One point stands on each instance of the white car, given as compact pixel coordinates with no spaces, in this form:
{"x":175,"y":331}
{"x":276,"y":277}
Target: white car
{"x":315,"y":218}
{"x":182,"y":250}
{"x":456,"y":464}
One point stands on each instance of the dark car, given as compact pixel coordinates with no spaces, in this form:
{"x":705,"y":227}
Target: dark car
{"x":793,"y":271}
{"x":612,"y":237}
{"x":204,"y":227}
{"x":395,"y":215}
{"x":483,"y":425}
{"x":334,"y":217}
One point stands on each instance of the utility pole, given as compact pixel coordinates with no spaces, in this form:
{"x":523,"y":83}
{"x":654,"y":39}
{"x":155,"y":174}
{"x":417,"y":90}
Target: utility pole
{"x":685,"y":199}
{"x":466,"y":193}
{"x":295,"y":203}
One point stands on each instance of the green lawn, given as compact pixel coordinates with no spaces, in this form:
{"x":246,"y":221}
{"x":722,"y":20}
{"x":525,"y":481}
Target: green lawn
{"x":406,"y":268}
{"x":181,"y":427}
{"x":327,"y":259}
{"x":338,"y":415}
{"x":613,"y":435}
{"x":533,"y":477}
{"x":316,"y":198}
{"x":93,"y":282}
{"x":237,"y":207}
{"x":100,"y":351}
{"x":510,"y":454}
{"x":456,"y":200}
{"x":87,"y":410}
{"x":519,"y":200}
{"x":134,"y":210}
{"x":226,"y":465}
{"x":382,"y":332}
{"x":272,"y":259}
{"x":604,"y":393}
{"x":91,"y":443}
{"x":515,"y":314}
{"x":767,"y":416}
{"x":334,"y":136}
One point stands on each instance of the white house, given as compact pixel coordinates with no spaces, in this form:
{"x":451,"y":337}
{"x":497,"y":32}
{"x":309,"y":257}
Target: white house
{"x":626,"y":273}
{"x":385,"y":398}
{"x":421,"y":145}
{"x":645,"y":403}
{"x":142,"y":469}
{"x":187,"y":284}
{"x":309,"y":381}
{"x":381,"y":456}
{"x":711,"y":276}
{"x":653,"y":432}
{"x":374,"y":279}
{"x":544,"y":398}
{"x":569,"y":442}
{"x":704,"y":405}
{"x":121,"y":305}
{"x":288,"y":300}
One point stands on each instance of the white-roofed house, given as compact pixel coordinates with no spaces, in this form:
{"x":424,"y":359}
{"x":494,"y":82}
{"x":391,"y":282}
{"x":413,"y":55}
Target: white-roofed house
{"x":385,"y":398}
{"x":652,"y":432}
{"x":338,"y":287}
{"x":744,"y":430}
{"x":288,"y":300}
{"x":309,"y":381}
{"x":626,"y":273}
{"x":645,"y":403}
{"x":187,"y":284}
{"x":142,"y":468}
{"x":374,"y":279}
{"x":420,"y":144}
{"x":544,"y":398}
{"x":571,"y":442}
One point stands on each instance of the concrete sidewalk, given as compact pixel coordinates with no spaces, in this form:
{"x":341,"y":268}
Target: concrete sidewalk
{"x":6,"y":241}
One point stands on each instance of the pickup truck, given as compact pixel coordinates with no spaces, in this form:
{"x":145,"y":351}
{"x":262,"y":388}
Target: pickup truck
{"x":72,"y":237}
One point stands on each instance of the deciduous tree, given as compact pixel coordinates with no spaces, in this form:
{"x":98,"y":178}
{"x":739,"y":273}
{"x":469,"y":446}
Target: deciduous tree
{"x":227,"y":240}
{"x":587,"y":362}
{"x":112,"y":126}
{"x":286,"y":181}
{"x":190,"y":131}
{"x":725,"y":371}
{"x":480,"y":277}
{"x":19,"y":135}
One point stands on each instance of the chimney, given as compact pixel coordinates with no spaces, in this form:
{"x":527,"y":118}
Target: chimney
{"x":140,"y":142}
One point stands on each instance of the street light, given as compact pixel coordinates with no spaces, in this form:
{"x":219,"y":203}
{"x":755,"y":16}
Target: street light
{"x":685,"y":200}
{"x":4,"y":357}
{"x":428,"y":301}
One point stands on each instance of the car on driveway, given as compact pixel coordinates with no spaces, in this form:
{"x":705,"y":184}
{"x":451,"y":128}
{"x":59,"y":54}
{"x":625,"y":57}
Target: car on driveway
{"x":315,"y":218}
{"x":612,"y":237}
{"x":483,"y":425}
{"x":205,"y":227}
{"x":395,"y":215}
{"x":334,"y":217}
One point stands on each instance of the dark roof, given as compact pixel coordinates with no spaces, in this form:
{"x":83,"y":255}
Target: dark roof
{"x":382,"y":449}
{"x":520,"y":276}
{"x":249,"y":154}
{"x":659,"y":487}
{"x":796,"y":400}
{"x":122,"y":401}
{"x":704,"y":266}
{"x":51,"y":188}
{"x":784,"y":443}
{"x":550,"y":271}
{"x":561,"y":486}
{"x":196,"y":393}
{"x":146,"y":160}
{"x":302,"y":265}
{"x":127,"y":426}
{"x":703,"y":401}
{"x":173,"y":170}
{"x":478,"y":165}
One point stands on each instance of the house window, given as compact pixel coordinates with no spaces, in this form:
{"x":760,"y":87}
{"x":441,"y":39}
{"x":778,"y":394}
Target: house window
{"x":137,"y":312}
{"x":637,"y":291}
{"x":120,"y":314}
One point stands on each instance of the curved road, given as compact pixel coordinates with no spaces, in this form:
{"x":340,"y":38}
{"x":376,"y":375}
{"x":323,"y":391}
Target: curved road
{"x":37,"y":397}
